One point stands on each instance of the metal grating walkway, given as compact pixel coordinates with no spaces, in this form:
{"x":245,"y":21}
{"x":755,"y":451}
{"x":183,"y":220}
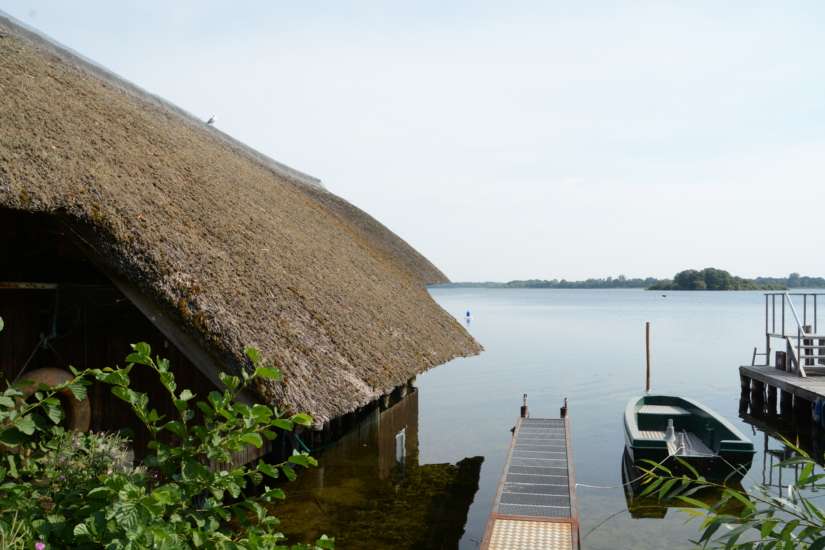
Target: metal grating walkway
{"x":535,"y":502}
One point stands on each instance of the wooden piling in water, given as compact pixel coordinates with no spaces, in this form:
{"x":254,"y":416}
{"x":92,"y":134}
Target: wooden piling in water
{"x":757,"y":397}
{"x":744,"y":395}
{"x":647,"y":356}
{"x":771,"y":407}
{"x":801,"y":411}
{"x":785,"y":403}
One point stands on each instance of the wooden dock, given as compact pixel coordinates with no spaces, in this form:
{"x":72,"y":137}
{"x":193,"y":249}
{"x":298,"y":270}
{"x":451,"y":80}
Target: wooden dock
{"x":809,"y":388}
{"x":765,"y":387}
{"x":535,"y":504}
{"x":792,"y":373}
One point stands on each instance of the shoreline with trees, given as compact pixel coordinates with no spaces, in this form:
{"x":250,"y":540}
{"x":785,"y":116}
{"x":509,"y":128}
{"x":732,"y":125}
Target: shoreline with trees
{"x":709,"y":278}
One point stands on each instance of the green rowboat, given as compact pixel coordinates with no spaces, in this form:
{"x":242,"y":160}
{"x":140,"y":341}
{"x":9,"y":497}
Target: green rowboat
{"x":659,"y":427}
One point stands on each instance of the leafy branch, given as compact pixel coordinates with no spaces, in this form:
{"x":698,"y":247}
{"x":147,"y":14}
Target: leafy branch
{"x":77,"y":490}
{"x":762,"y":521}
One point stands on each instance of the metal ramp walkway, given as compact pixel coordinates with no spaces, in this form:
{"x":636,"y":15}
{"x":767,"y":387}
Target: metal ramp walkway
{"x":535,"y":504}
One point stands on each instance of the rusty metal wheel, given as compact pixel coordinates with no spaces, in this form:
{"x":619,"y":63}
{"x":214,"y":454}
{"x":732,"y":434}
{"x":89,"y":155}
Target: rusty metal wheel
{"x":78,"y":413}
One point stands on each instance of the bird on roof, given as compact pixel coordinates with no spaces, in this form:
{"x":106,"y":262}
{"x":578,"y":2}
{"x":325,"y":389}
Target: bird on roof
{"x":211,"y":120}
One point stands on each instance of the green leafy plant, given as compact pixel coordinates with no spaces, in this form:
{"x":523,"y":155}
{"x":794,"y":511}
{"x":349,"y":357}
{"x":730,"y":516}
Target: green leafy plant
{"x":82,"y":490}
{"x":754,"y":520}
{"x":14,"y":534}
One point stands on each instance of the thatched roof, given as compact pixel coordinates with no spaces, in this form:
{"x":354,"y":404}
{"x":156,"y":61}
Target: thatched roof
{"x":239,"y":249}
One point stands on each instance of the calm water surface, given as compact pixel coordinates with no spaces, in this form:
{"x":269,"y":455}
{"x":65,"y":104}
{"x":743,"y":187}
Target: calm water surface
{"x":586,"y":345}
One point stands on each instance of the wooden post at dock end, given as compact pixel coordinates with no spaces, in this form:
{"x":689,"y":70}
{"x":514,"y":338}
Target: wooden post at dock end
{"x":781,"y":360}
{"x":647,"y":356}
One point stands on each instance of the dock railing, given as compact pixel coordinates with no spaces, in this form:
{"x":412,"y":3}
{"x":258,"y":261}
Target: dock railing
{"x":804,"y":352}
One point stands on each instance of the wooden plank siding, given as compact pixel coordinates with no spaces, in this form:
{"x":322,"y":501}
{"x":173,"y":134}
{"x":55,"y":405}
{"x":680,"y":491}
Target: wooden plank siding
{"x":87,"y":322}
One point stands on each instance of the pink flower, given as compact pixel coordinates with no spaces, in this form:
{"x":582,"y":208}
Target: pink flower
{"x":39,"y":545}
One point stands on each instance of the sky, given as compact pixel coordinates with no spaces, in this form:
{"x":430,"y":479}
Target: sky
{"x":510,"y":140}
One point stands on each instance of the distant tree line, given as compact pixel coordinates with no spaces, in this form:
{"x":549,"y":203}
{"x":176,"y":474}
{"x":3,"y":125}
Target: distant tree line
{"x":709,"y":278}
{"x":610,"y":282}
{"x":794,"y":280}
{"x":712,"y":278}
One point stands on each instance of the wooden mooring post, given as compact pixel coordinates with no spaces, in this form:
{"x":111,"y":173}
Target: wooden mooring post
{"x":647,"y":356}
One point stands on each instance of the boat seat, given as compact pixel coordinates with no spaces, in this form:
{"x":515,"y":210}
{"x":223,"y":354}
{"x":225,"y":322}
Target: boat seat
{"x":663,"y":410}
{"x":651,"y":435}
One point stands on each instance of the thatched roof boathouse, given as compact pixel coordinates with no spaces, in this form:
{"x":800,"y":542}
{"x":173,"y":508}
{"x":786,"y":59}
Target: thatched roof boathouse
{"x":140,"y":222}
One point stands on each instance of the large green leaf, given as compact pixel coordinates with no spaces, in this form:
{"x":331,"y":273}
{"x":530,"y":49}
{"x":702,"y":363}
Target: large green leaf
{"x":252,"y":438}
{"x":270,"y":373}
{"x":25,"y":424}
{"x":302,"y":419}
{"x":78,"y":390}
{"x":253,"y":354}
{"x":228,"y":380}
{"x":53,"y":411}
{"x":283,"y":424}
{"x":303,"y":459}
{"x":267,"y":469}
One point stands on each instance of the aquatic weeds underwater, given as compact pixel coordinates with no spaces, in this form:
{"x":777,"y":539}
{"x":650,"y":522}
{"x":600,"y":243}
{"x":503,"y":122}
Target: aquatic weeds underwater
{"x":761,"y":520}
{"x":81,"y":490}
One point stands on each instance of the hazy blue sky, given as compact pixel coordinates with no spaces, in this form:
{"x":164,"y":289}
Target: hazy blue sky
{"x":512,"y":140}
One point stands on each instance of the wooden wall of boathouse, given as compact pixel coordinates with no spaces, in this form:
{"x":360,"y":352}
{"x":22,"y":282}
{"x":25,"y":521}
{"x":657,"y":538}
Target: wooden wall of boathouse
{"x":71,"y":314}
{"x":60,"y":310}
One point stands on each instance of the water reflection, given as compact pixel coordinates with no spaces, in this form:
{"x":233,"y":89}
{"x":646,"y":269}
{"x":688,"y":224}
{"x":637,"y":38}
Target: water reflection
{"x":370,"y":491}
{"x":651,"y":507}
{"x":776,"y":431}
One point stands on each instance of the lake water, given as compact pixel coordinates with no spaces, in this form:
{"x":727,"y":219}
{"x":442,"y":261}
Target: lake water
{"x":586,"y":345}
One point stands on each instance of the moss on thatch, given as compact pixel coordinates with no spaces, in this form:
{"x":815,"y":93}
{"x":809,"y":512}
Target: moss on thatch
{"x":240,"y":249}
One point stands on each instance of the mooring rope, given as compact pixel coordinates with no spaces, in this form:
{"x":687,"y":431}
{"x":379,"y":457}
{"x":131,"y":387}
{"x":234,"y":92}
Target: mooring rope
{"x":626,"y":483}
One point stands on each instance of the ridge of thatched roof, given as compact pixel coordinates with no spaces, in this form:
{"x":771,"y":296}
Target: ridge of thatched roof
{"x":237,"y":248}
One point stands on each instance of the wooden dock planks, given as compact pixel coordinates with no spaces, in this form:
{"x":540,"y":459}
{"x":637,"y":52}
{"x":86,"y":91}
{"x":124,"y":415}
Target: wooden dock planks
{"x":809,"y":389}
{"x":535,"y":504}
